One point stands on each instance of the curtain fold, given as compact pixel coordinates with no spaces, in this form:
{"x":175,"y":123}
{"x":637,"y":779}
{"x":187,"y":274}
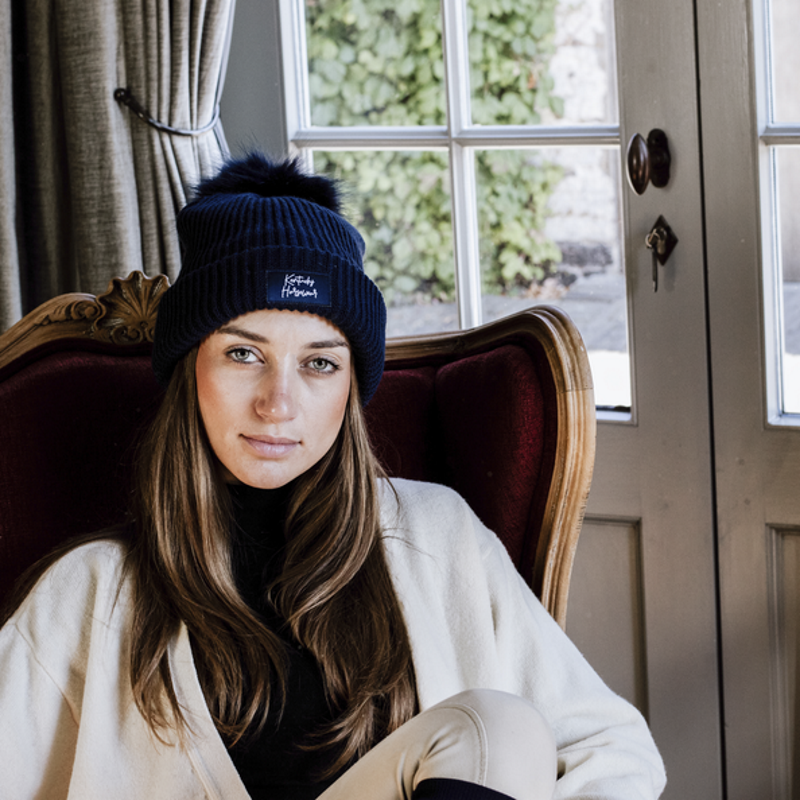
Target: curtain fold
{"x":90,"y":190}
{"x":10,"y":288}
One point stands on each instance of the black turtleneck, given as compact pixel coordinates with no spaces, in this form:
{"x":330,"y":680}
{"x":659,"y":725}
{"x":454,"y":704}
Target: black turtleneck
{"x":272,"y":764}
{"x":257,"y":539}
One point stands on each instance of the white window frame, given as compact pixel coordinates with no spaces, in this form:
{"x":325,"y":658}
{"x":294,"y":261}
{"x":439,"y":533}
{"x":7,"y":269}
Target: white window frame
{"x":460,"y":137}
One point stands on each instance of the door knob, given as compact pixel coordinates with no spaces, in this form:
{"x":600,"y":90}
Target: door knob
{"x":648,"y":160}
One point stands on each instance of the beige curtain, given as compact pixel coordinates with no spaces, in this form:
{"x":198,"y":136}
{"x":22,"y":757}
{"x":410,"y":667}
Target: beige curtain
{"x":89,"y":189}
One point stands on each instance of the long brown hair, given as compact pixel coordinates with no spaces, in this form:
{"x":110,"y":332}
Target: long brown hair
{"x":335,"y":590}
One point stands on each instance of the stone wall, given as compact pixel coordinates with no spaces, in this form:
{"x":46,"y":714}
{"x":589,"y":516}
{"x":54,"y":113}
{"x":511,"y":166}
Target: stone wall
{"x":584,"y":208}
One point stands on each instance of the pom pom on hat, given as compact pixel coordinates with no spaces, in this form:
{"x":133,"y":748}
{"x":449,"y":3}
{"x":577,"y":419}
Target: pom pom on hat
{"x":260,"y":235}
{"x":255,"y":174}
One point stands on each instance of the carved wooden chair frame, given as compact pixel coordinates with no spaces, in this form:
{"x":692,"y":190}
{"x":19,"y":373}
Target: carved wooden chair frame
{"x":125,"y":315}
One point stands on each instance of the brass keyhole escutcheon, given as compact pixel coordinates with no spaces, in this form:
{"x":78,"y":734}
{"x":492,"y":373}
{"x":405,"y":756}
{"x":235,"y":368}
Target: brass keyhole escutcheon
{"x":648,"y":160}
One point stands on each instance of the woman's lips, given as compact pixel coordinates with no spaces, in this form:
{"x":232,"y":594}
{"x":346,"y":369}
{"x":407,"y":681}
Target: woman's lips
{"x":271,"y":446}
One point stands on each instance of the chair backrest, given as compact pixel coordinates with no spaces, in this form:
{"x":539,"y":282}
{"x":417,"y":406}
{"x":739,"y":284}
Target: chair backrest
{"x":503,"y":413}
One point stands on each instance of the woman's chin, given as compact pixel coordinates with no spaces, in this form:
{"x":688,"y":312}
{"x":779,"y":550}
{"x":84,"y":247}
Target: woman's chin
{"x":259,"y":479}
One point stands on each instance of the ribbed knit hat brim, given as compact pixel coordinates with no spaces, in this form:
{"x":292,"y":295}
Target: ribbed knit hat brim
{"x":205,"y":299}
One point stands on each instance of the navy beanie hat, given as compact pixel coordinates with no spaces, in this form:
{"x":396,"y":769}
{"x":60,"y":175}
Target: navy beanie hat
{"x":266,"y":235}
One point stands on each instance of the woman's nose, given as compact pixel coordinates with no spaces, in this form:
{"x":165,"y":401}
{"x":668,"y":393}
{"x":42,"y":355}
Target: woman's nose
{"x":277,"y":397}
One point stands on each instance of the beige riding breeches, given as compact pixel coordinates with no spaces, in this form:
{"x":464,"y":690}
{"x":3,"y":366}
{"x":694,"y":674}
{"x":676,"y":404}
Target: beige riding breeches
{"x":490,"y":738}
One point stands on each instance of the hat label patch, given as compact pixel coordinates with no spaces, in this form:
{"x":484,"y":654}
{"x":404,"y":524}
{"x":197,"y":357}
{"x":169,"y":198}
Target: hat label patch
{"x":299,"y":287}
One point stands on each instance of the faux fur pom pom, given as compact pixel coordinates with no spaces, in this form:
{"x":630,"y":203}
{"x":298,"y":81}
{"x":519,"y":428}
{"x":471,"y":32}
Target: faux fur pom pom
{"x":257,"y":175}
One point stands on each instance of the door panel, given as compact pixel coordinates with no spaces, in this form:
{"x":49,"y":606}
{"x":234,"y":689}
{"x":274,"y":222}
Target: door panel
{"x":612,"y":548}
{"x":656,"y":469}
{"x":783,"y":580}
{"x":757,"y":463}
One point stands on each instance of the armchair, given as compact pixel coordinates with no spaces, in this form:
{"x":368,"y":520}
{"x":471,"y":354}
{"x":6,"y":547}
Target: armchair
{"x":503,"y":413}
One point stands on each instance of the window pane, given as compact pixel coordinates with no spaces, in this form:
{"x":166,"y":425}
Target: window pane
{"x":542,"y":62}
{"x":400,"y":201}
{"x":375,"y":62}
{"x":550,"y":233}
{"x":788,"y":171}
{"x":785,"y":24}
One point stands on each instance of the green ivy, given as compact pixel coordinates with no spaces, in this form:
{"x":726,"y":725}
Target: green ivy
{"x":373,"y":62}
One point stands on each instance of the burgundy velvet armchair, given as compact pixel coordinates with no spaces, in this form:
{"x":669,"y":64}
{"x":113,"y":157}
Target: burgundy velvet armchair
{"x":503,"y":413}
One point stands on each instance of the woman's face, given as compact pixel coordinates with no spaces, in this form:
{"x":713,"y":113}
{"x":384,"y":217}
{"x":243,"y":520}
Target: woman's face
{"x":272,"y":386}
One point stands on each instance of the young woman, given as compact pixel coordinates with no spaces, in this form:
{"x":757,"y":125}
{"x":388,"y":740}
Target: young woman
{"x":278,"y":620}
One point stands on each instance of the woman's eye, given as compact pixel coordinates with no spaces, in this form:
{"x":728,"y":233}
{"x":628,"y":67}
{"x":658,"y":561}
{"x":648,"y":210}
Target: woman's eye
{"x":242,"y":355}
{"x":323,"y":365}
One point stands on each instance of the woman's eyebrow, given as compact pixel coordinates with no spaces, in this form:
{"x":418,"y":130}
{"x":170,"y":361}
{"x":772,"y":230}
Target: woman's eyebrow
{"x":232,"y":330}
{"x":327,"y":343}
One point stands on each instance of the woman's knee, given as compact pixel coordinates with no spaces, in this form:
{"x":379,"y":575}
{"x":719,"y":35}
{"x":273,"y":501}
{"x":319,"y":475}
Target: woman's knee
{"x":518,"y":750}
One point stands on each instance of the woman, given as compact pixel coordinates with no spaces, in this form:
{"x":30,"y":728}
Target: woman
{"x":280,"y":620}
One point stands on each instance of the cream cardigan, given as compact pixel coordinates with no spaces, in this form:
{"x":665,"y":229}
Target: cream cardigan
{"x":69,"y":726}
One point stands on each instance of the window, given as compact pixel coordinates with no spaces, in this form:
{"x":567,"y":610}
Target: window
{"x":779,"y":129}
{"x":482,"y":143}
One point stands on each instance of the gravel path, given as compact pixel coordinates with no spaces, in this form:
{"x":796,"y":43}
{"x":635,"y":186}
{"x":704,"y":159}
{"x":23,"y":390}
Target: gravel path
{"x":595,"y":303}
